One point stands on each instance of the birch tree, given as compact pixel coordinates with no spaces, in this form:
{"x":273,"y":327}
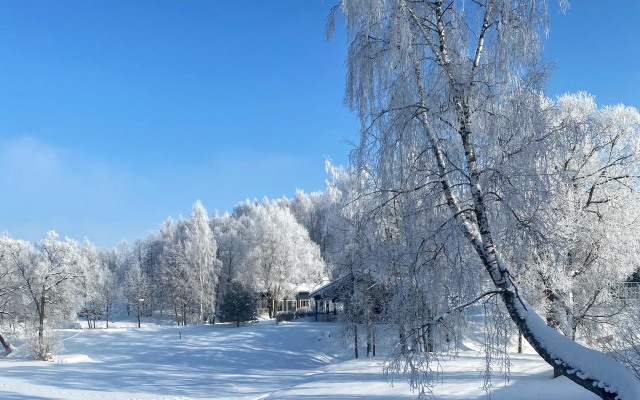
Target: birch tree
{"x":178,"y":278}
{"x":201,"y":253}
{"x":136,"y":290}
{"x":434,"y":84}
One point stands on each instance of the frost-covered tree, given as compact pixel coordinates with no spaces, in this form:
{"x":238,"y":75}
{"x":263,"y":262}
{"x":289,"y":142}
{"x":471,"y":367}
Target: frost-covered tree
{"x":92,"y":280}
{"x":443,"y":89}
{"x":11,"y":252}
{"x":108,"y":294}
{"x":396,"y":275}
{"x":100,"y":285}
{"x":201,"y":255}
{"x":281,"y":255}
{"x":178,"y":278}
{"x":50,"y":273}
{"x":136,"y":290}
{"x":311,"y":210}
{"x":230,"y":233}
{"x":592,"y":166}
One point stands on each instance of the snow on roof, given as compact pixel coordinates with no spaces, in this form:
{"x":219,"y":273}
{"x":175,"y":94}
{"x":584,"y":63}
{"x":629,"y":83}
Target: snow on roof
{"x":333,"y":289}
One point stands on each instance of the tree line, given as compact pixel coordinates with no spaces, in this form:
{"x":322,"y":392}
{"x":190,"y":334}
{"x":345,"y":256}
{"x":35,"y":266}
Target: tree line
{"x":187,"y":268}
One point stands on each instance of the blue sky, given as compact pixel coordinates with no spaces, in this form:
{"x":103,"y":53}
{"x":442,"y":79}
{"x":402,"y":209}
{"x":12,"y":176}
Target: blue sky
{"x":116,"y":115}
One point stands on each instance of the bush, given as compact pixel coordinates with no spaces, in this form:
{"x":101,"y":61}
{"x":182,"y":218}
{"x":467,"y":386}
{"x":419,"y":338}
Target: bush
{"x":304,"y":312}
{"x":42,"y":348}
{"x":285,"y":316}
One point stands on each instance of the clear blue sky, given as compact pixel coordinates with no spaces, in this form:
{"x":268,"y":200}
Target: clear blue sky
{"x":116,"y":115}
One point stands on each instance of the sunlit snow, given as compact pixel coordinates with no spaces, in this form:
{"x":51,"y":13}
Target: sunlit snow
{"x":294,"y":360}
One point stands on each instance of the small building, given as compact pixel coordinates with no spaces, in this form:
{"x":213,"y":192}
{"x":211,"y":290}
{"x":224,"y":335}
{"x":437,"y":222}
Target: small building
{"x":629,"y":292}
{"x":297,"y":299}
{"x":327,"y":297}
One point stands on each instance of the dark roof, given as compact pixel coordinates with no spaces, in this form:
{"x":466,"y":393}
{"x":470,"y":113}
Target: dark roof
{"x":334,"y":289}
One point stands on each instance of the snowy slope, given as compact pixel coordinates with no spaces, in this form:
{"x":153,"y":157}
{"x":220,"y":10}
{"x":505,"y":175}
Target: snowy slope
{"x":258,"y":361}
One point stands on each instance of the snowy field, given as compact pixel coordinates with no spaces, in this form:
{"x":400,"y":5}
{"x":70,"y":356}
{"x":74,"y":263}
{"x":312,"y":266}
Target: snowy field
{"x":260,"y":361}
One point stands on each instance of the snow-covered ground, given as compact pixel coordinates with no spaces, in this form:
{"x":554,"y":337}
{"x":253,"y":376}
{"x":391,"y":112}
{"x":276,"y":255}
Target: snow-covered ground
{"x":259,"y":361}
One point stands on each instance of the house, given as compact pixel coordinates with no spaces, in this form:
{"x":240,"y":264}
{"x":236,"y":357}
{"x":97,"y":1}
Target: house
{"x":629,"y":292}
{"x":296,"y":298}
{"x":330,"y":298}
{"x":327,"y":296}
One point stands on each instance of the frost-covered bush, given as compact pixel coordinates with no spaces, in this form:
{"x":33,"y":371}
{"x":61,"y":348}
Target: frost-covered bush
{"x":285,"y":316}
{"x":44,"y":347}
{"x":302,"y":312}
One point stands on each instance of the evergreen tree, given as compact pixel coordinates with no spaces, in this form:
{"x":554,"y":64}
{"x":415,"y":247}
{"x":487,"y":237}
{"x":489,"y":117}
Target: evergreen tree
{"x":238,"y":304}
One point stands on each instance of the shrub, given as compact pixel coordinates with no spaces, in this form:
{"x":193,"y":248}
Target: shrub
{"x":304,"y":312}
{"x":42,"y":348}
{"x":285,"y":316}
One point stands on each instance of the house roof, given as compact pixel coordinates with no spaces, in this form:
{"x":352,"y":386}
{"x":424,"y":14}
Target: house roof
{"x":334,"y":289}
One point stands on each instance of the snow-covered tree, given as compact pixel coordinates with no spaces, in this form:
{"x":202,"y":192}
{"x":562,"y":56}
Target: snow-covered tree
{"x":201,"y":255}
{"x":442,"y":88}
{"x":311,"y":211}
{"x":92,"y":280}
{"x":178,"y":278}
{"x":136,"y":290}
{"x":281,"y":255}
{"x":230,"y":233}
{"x":12,"y":252}
{"x":50,"y":273}
{"x":593,"y":167}
{"x":397,"y":275}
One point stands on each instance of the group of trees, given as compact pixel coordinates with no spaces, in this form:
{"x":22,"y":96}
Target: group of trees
{"x":190,"y":267}
{"x":197,"y":268}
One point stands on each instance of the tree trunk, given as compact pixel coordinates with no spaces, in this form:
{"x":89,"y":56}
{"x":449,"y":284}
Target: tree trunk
{"x":369,"y":339}
{"x":8,"y":347}
{"x":41,"y":318}
{"x":402,"y":339}
{"x":215,"y":302}
{"x":551,"y":315}
{"x":519,"y":342}
{"x":355,"y":339}
{"x":373,"y":340}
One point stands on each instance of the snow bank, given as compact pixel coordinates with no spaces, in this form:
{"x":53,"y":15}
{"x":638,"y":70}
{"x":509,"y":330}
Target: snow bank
{"x":72,"y":359}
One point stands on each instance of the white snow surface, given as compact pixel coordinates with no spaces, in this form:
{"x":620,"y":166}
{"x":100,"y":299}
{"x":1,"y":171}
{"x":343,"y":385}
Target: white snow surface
{"x":297,"y":360}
